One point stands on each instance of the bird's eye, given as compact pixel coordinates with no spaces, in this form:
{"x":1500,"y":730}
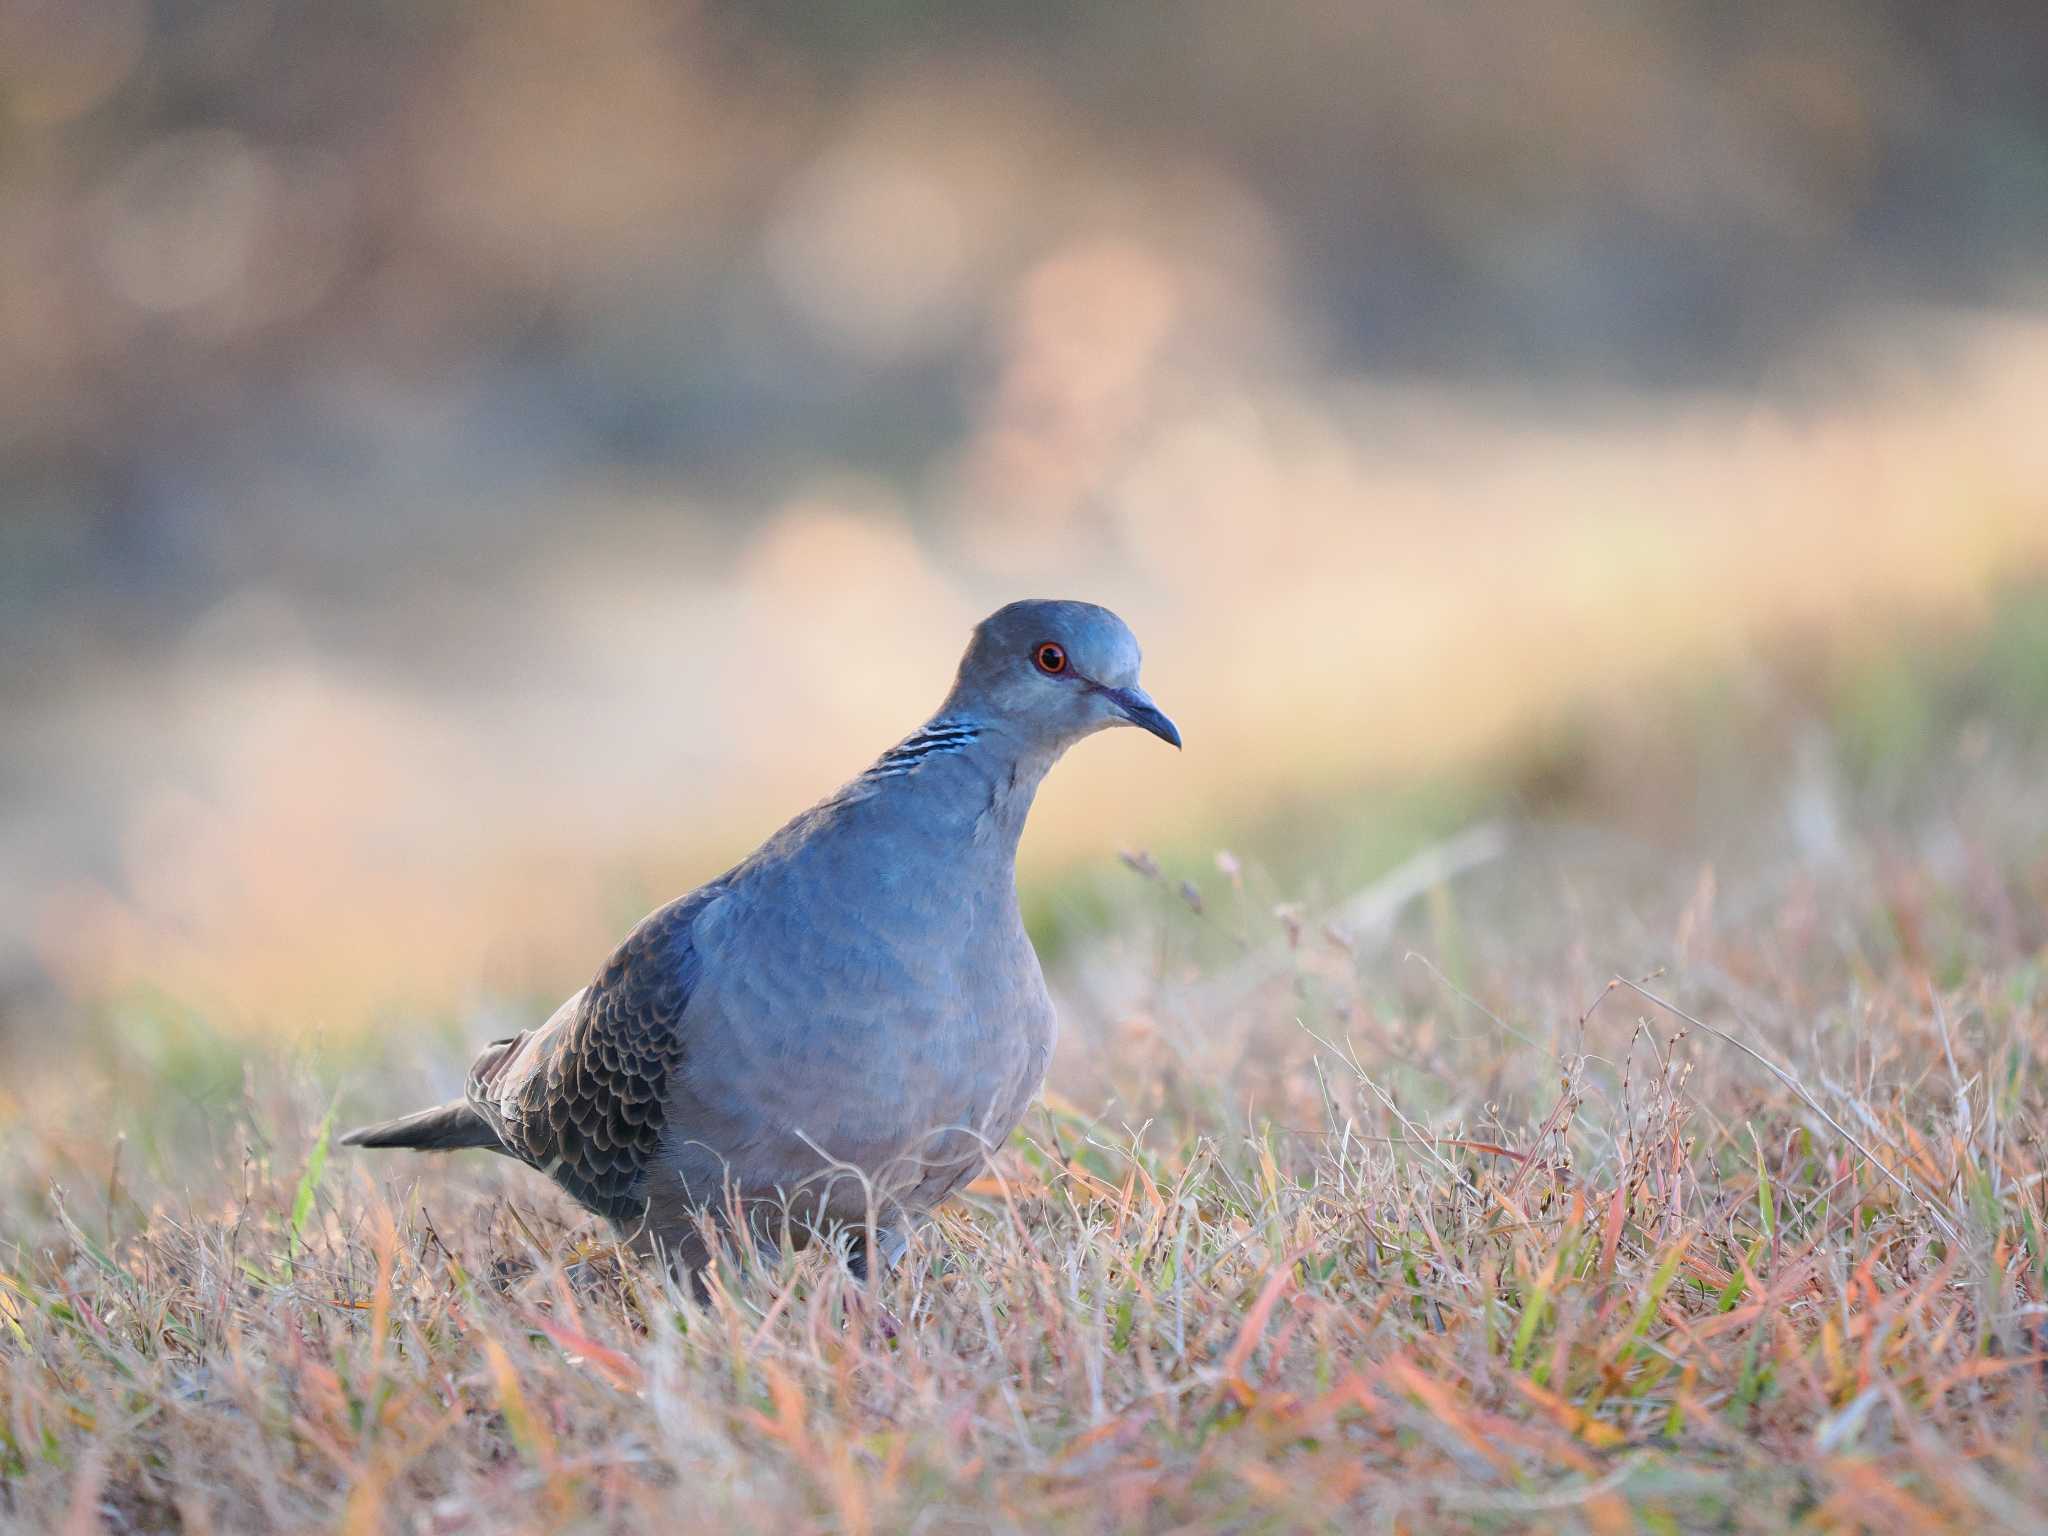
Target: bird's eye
{"x":1050,"y":658}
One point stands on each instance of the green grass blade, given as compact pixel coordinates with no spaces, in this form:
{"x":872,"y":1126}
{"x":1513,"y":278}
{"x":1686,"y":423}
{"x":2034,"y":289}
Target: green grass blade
{"x":309,"y":1185}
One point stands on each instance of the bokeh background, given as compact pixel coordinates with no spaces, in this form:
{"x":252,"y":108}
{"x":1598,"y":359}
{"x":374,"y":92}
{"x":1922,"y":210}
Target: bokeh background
{"x":467,"y":471}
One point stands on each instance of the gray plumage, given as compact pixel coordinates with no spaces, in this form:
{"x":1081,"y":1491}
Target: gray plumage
{"x":841,"y":1027}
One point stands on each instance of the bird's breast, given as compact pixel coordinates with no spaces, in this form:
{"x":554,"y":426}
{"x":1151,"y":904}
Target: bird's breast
{"x":863,"y":1013}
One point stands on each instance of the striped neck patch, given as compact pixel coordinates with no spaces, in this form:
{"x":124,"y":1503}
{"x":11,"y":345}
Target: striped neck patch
{"x":934,"y":740}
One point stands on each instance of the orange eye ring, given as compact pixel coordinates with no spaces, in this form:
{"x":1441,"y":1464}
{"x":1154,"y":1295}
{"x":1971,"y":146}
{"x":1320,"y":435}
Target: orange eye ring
{"x":1050,"y":658}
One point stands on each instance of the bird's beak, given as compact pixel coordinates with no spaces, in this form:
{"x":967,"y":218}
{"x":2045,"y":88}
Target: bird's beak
{"x":1136,"y":706}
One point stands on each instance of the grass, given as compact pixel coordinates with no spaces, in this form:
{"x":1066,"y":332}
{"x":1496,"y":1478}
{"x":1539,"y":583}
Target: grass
{"x":1619,"y":1181}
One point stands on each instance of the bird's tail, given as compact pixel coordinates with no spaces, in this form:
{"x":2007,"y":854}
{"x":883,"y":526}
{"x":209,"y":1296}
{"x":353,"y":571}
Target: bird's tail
{"x":445,"y":1128}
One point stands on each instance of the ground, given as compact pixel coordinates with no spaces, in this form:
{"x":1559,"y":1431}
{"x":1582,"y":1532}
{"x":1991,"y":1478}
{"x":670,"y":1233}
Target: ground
{"x":1655,"y":1144}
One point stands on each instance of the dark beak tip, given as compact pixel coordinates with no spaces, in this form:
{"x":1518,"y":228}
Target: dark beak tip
{"x":1155,"y":721}
{"x":1140,"y":711}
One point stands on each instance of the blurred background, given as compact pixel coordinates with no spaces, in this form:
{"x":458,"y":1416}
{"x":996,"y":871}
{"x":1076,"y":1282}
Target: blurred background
{"x":469,"y":471}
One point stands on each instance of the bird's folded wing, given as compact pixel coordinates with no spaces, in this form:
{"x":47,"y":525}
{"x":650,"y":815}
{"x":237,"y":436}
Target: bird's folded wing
{"x":584,"y":1098}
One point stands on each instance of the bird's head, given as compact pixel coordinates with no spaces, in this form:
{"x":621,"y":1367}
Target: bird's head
{"x":1051,"y":672}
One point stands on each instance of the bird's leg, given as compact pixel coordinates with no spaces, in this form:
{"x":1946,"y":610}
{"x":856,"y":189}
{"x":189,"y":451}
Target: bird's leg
{"x":857,"y":1254}
{"x":894,"y":1243}
{"x":891,"y":1243}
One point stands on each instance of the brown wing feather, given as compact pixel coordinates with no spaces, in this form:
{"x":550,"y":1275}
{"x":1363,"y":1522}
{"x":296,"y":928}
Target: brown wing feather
{"x":585,"y":1098}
